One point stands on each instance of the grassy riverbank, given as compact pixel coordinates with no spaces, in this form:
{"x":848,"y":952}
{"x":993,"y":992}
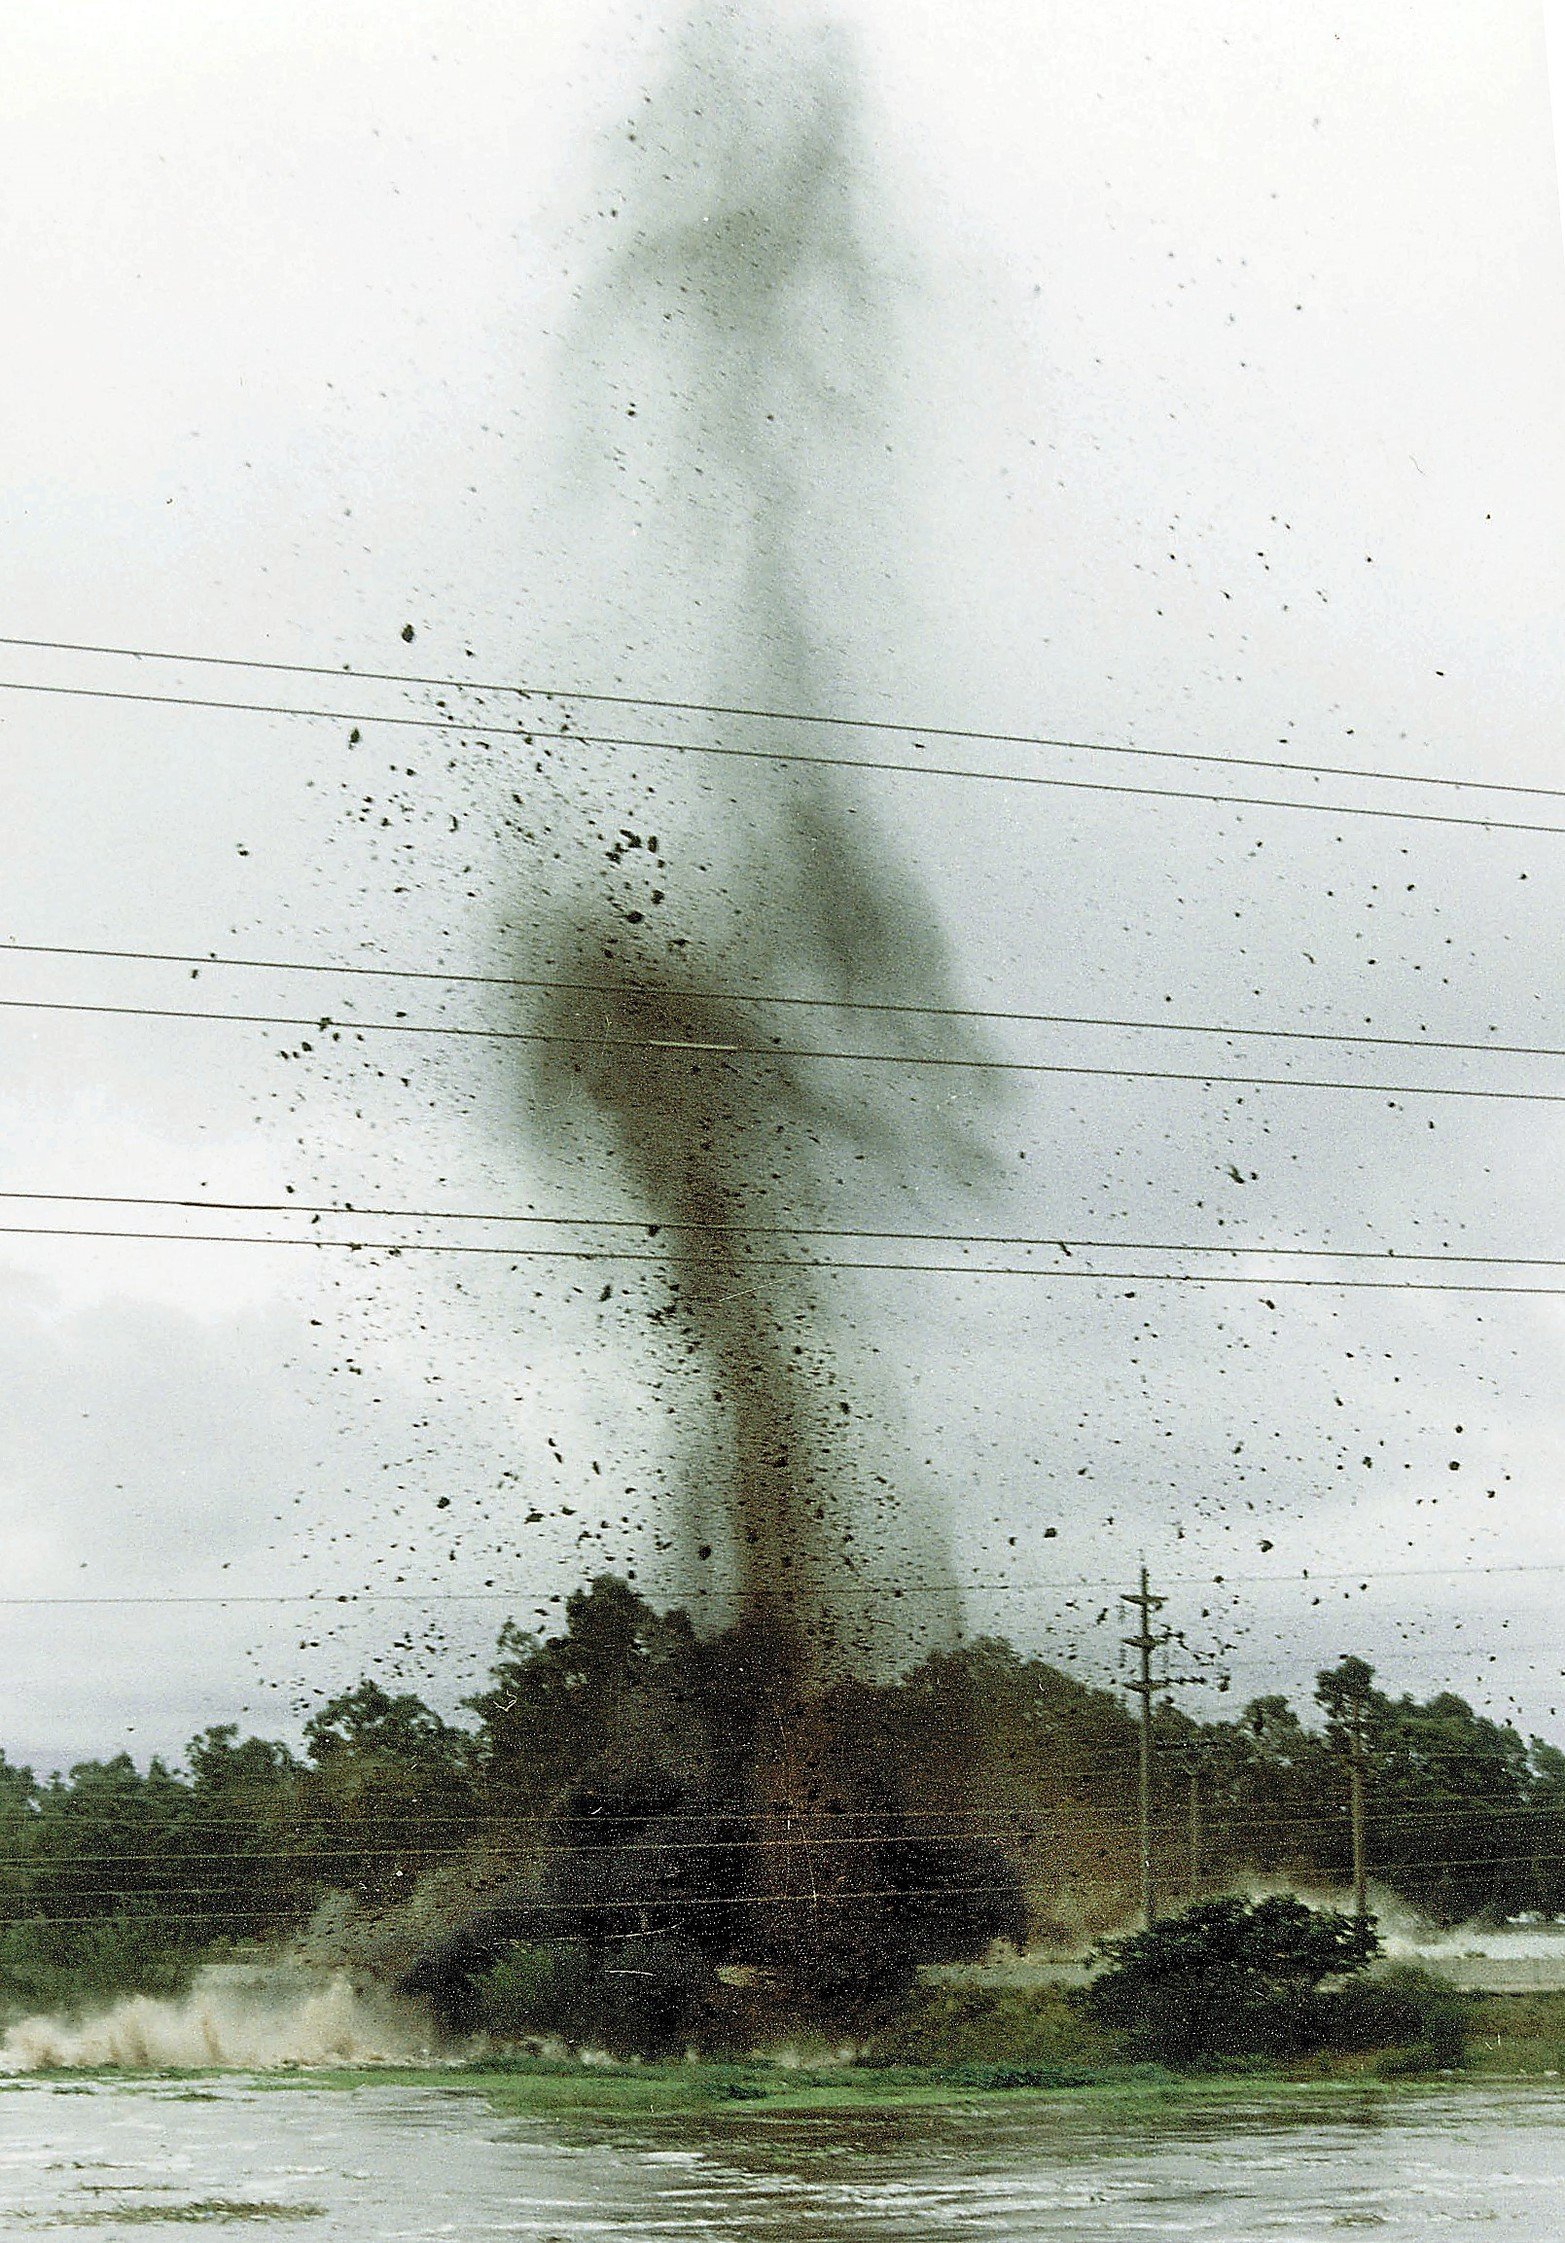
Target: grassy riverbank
{"x":1513,"y":2036}
{"x":537,"y":2087}
{"x":542,"y":2087}
{"x":949,"y":2047}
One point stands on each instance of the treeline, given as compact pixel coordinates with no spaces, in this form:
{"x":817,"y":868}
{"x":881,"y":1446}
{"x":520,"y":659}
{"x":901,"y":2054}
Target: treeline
{"x":986,"y":1778}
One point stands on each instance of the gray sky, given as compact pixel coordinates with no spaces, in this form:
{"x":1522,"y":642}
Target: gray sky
{"x":1221,"y":414}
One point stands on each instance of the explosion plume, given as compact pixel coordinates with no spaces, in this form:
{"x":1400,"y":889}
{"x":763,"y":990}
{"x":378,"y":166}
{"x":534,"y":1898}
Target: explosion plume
{"x":740,"y":332}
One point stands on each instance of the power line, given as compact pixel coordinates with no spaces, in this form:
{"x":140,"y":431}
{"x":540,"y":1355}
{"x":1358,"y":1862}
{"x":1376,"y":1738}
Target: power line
{"x":1052,"y":1242}
{"x":314,"y":1856}
{"x":395,"y":1248}
{"x":651,"y":1902}
{"x":315,"y":1847}
{"x":531,"y":734}
{"x":830,"y":1896}
{"x":188,"y":1819}
{"x":185,"y":1824}
{"x":426,"y":1826}
{"x":310,"y":1850}
{"x":422,"y":1829}
{"x":774,"y":1054}
{"x":744,"y":997}
{"x":815,"y":719}
{"x":332,"y":1602}
{"x":192,"y":1819}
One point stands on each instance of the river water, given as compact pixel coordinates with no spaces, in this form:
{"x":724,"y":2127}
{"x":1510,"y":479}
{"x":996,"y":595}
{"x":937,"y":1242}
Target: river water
{"x":383,"y":2164}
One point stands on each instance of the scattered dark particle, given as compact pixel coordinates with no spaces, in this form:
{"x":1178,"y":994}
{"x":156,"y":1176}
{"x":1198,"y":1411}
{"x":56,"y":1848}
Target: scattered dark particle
{"x":407,"y":634}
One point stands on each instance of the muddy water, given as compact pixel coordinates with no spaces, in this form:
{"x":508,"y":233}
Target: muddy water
{"x":381,"y":2164}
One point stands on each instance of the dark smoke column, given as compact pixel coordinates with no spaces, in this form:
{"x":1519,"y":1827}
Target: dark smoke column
{"x":725,"y":374}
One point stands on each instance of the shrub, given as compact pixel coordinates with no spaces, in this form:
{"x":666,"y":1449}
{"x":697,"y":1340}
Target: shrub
{"x":992,"y":2079}
{"x":1402,"y":2008}
{"x":1227,"y":1978}
{"x":634,"y":1997}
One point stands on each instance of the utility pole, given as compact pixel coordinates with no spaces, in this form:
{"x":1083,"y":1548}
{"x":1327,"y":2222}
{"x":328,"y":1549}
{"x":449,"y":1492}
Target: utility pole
{"x":1195,"y":1831}
{"x":1144,"y":1642}
{"x":1347,"y":1694}
{"x":1356,"y":1781}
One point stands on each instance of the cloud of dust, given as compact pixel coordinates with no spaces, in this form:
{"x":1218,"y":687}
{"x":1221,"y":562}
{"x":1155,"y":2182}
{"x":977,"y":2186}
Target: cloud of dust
{"x":227,"y":2019}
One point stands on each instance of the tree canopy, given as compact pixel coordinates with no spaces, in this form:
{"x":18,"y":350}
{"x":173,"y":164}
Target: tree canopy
{"x":985,"y":1793}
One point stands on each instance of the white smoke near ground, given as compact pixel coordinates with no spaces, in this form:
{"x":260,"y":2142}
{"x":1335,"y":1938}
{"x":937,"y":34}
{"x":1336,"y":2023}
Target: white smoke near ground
{"x":228,"y":2020}
{"x":1532,"y":1945}
{"x":1525,"y":1955}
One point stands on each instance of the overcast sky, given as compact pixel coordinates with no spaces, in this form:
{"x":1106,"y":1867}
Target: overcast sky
{"x":1217,"y":410}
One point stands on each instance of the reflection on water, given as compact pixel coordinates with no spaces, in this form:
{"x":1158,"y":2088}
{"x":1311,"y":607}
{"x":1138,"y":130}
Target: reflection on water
{"x":384,"y":2164}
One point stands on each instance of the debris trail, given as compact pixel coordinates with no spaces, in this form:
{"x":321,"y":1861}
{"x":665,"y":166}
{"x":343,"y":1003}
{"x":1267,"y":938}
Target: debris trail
{"x":725,"y":374}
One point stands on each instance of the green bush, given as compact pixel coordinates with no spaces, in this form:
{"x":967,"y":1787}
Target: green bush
{"x":1229,"y":1978}
{"x":990,"y":2079}
{"x":634,"y":1997}
{"x":1402,"y":2008}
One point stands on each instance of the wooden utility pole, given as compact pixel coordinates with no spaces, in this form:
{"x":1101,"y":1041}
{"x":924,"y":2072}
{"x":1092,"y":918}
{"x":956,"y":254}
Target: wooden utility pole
{"x":1356,"y":1781}
{"x":1144,"y":1642}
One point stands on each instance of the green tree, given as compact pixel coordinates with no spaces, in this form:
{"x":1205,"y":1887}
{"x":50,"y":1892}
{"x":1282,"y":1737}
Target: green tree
{"x":237,"y":1838}
{"x":103,"y":1900}
{"x":388,"y":1794}
{"x":619,"y":1682}
{"x":1453,"y":1801}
